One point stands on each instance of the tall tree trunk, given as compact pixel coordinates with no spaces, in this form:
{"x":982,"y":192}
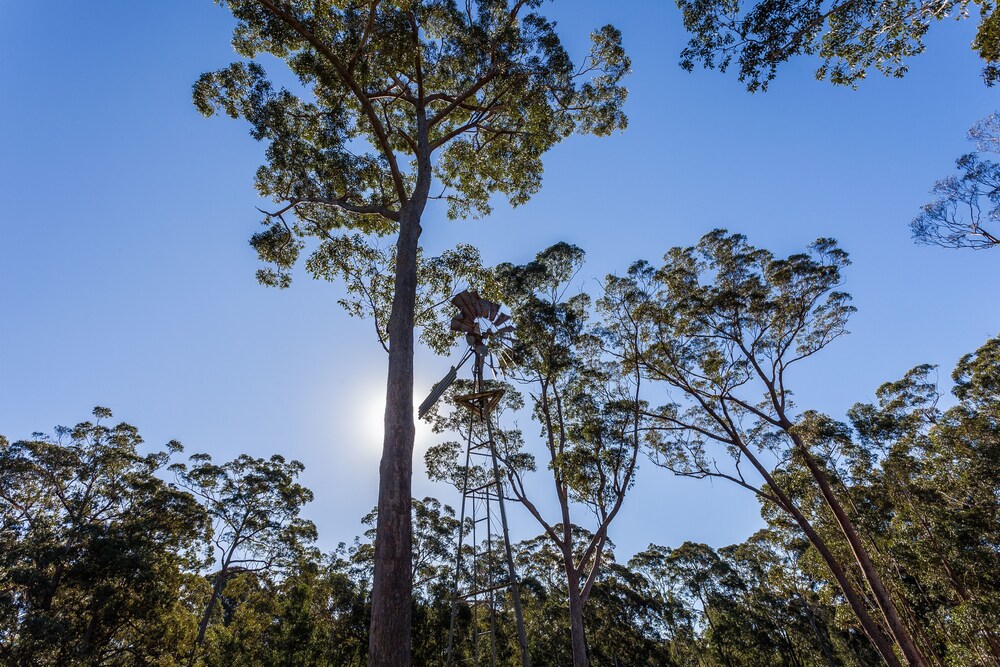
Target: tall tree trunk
{"x":577,"y":631}
{"x":389,"y":638}
{"x":868,"y":624}
{"x":882,"y":598}
{"x":389,"y":635}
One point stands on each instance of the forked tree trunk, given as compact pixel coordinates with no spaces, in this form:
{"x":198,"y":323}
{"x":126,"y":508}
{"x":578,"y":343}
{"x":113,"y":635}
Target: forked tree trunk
{"x":389,"y":638}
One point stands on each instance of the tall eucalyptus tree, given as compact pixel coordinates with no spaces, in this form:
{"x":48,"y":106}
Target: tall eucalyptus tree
{"x":588,"y":413}
{"x":393,"y":96}
{"x":719,"y":327}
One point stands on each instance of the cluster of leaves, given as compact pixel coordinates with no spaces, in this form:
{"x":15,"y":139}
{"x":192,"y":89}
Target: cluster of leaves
{"x":852,"y":37}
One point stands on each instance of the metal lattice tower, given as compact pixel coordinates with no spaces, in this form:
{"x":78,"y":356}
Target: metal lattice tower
{"x":484,"y":563}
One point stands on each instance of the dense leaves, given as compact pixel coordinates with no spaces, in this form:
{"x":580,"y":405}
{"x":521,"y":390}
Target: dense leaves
{"x":93,"y":550}
{"x":388,"y":92}
{"x":881,"y":541}
{"x":851,"y":37}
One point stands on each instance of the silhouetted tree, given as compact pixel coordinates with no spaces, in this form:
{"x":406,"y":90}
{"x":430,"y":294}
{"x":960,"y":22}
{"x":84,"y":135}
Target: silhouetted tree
{"x":966,"y":211}
{"x":393,"y":97}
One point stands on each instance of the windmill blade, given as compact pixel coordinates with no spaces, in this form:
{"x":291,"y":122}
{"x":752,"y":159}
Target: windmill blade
{"x":463,"y":325}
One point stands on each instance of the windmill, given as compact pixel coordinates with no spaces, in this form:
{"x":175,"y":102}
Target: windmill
{"x":487,"y":331}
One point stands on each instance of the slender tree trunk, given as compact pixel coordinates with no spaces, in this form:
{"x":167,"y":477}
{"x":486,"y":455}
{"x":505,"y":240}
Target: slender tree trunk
{"x":577,"y":631}
{"x":821,"y":637}
{"x":389,"y":642}
{"x":220,"y":581}
{"x":857,"y":604}
{"x":882,"y":598}
{"x":716,"y":640}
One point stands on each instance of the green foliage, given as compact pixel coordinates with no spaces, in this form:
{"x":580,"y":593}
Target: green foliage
{"x":388,"y":91}
{"x":94,"y":549}
{"x":99,"y":557}
{"x":966,"y":207}
{"x":714,"y":330}
{"x":588,"y":416}
{"x":927,"y":484}
{"x":254,"y":506}
{"x":852,"y":37}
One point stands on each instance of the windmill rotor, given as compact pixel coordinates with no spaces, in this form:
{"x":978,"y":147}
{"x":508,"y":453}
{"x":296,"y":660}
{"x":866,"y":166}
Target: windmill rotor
{"x":479,"y":318}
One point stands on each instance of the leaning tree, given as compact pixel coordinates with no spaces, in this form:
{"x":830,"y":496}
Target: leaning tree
{"x":393,"y":97}
{"x":717,"y":332}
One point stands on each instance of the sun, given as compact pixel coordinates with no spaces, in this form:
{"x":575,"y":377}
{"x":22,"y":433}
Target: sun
{"x":370,"y":413}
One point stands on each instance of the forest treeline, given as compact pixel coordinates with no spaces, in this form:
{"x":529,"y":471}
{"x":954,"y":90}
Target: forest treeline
{"x":881,"y":539}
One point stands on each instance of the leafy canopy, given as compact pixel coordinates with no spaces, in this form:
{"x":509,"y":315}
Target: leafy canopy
{"x":716,"y":330}
{"x":851,"y":37}
{"x":94,"y":549}
{"x":391,"y":93}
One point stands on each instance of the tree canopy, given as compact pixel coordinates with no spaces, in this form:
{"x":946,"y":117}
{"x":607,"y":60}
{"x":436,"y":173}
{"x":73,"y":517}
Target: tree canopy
{"x":852,"y":38}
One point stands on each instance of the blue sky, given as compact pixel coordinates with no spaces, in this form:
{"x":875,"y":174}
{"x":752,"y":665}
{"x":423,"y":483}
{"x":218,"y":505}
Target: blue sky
{"x":126,"y":279}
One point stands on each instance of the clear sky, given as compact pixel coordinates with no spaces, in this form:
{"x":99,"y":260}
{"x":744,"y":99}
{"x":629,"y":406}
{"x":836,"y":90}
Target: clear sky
{"x":126,"y":279}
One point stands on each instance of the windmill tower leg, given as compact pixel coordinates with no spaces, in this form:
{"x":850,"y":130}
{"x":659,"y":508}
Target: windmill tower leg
{"x":478,"y":505}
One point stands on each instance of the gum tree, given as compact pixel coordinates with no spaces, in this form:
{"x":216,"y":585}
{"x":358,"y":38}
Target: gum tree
{"x":95,"y":549}
{"x":398,"y":103}
{"x":254,"y":507}
{"x":588,"y":416}
{"x":719,"y":330}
